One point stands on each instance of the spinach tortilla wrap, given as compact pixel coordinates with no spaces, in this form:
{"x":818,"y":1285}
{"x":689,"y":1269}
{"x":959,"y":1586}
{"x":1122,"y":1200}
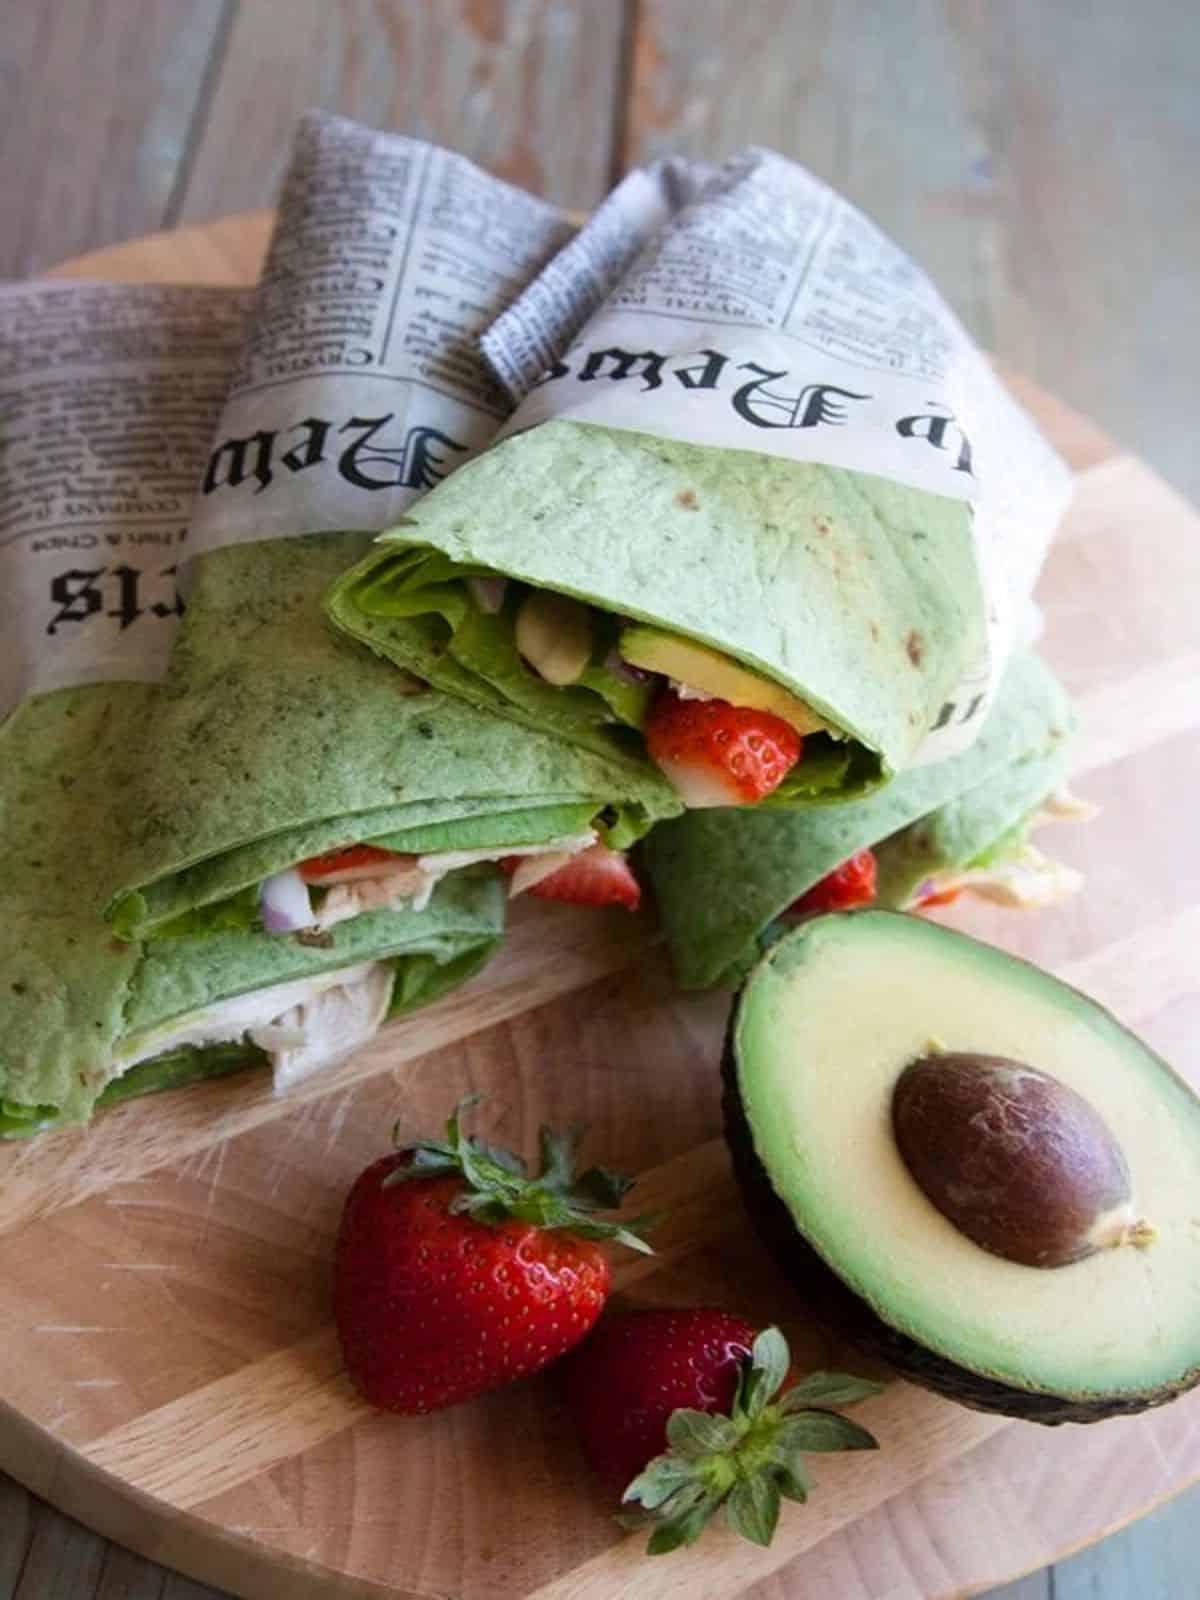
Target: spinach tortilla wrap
{"x":86,"y":1018}
{"x":84,"y":1015}
{"x":664,"y":598}
{"x":291,"y":781}
{"x":723,"y":879}
{"x":278,"y":751}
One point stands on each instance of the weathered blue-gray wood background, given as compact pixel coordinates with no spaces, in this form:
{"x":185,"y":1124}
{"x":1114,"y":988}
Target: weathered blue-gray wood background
{"x":1041,"y":158}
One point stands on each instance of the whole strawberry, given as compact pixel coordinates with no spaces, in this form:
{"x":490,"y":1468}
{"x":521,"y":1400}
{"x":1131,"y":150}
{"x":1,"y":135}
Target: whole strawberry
{"x":456,"y":1273}
{"x":688,"y":1412}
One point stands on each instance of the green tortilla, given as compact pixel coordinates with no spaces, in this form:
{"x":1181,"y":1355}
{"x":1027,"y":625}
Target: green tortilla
{"x":74,"y":997}
{"x":972,"y":829}
{"x":858,"y":595}
{"x":65,"y":978}
{"x":721,"y":878}
{"x":274,"y":739}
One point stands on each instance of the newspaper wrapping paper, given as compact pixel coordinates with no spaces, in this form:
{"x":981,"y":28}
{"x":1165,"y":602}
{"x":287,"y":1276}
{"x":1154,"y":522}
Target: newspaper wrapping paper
{"x":109,"y":394}
{"x":525,"y":340}
{"x":361,"y":383}
{"x":754,"y":308}
{"x":352,"y":383}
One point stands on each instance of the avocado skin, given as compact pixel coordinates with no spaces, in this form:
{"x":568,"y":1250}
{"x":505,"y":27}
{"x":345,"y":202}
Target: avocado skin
{"x":835,"y":1303}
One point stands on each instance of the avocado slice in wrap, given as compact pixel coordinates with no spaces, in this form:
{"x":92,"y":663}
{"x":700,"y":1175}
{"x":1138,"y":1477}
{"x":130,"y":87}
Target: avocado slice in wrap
{"x":856,"y":596}
{"x":275,"y":740}
{"x":723,"y":878}
{"x":86,"y":1017}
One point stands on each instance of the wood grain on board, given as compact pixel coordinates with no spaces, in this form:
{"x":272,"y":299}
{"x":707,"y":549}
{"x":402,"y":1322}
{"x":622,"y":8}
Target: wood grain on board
{"x":230,"y":250}
{"x":164,"y":1274}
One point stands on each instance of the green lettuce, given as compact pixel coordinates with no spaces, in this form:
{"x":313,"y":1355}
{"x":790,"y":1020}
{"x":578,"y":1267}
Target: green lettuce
{"x":474,"y":654}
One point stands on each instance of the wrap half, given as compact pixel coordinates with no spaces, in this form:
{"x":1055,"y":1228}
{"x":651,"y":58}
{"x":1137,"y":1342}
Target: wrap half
{"x":275,"y":742}
{"x":87,"y":1018}
{"x":844,"y":605}
{"x":722,"y":879}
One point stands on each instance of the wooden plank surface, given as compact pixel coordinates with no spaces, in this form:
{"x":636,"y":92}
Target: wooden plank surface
{"x":1070,"y":133}
{"x":98,"y":103}
{"x":527,"y":87}
{"x":1042,"y":161}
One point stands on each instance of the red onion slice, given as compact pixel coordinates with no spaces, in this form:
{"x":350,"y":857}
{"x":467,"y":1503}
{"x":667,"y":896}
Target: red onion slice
{"x":284,"y":903}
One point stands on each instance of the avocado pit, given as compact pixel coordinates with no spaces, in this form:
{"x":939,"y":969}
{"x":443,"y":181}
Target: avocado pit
{"x":1015,"y":1159}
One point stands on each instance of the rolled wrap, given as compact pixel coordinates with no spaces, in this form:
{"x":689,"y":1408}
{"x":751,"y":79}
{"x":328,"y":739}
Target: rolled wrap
{"x":275,"y":740}
{"x":859,"y":595}
{"x":75,"y":999}
{"x":721,"y":878}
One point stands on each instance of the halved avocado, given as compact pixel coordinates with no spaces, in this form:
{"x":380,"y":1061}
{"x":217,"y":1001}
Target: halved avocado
{"x":823,"y":1030}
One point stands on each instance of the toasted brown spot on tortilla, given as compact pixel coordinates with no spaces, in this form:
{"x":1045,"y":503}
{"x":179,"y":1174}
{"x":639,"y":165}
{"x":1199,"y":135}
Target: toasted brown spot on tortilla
{"x":874,"y":626}
{"x":686,"y":498}
{"x":823,"y":526}
{"x":914,"y":647}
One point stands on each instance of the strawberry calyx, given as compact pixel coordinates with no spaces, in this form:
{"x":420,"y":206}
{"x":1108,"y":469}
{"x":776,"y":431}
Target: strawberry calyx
{"x":497,"y":1187}
{"x":750,"y":1460}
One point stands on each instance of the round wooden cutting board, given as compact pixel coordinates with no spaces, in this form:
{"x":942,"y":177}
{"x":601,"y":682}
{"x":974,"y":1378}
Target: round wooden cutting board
{"x":172,"y":1378}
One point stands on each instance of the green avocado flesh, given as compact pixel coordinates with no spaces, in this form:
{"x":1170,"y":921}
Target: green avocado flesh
{"x":698,"y":667}
{"x":824,"y":1027}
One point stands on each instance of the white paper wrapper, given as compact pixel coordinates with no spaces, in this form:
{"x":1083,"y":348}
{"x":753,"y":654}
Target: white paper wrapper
{"x":108,"y":398}
{"x":763,"y":312}
{"x":361,"y":384}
